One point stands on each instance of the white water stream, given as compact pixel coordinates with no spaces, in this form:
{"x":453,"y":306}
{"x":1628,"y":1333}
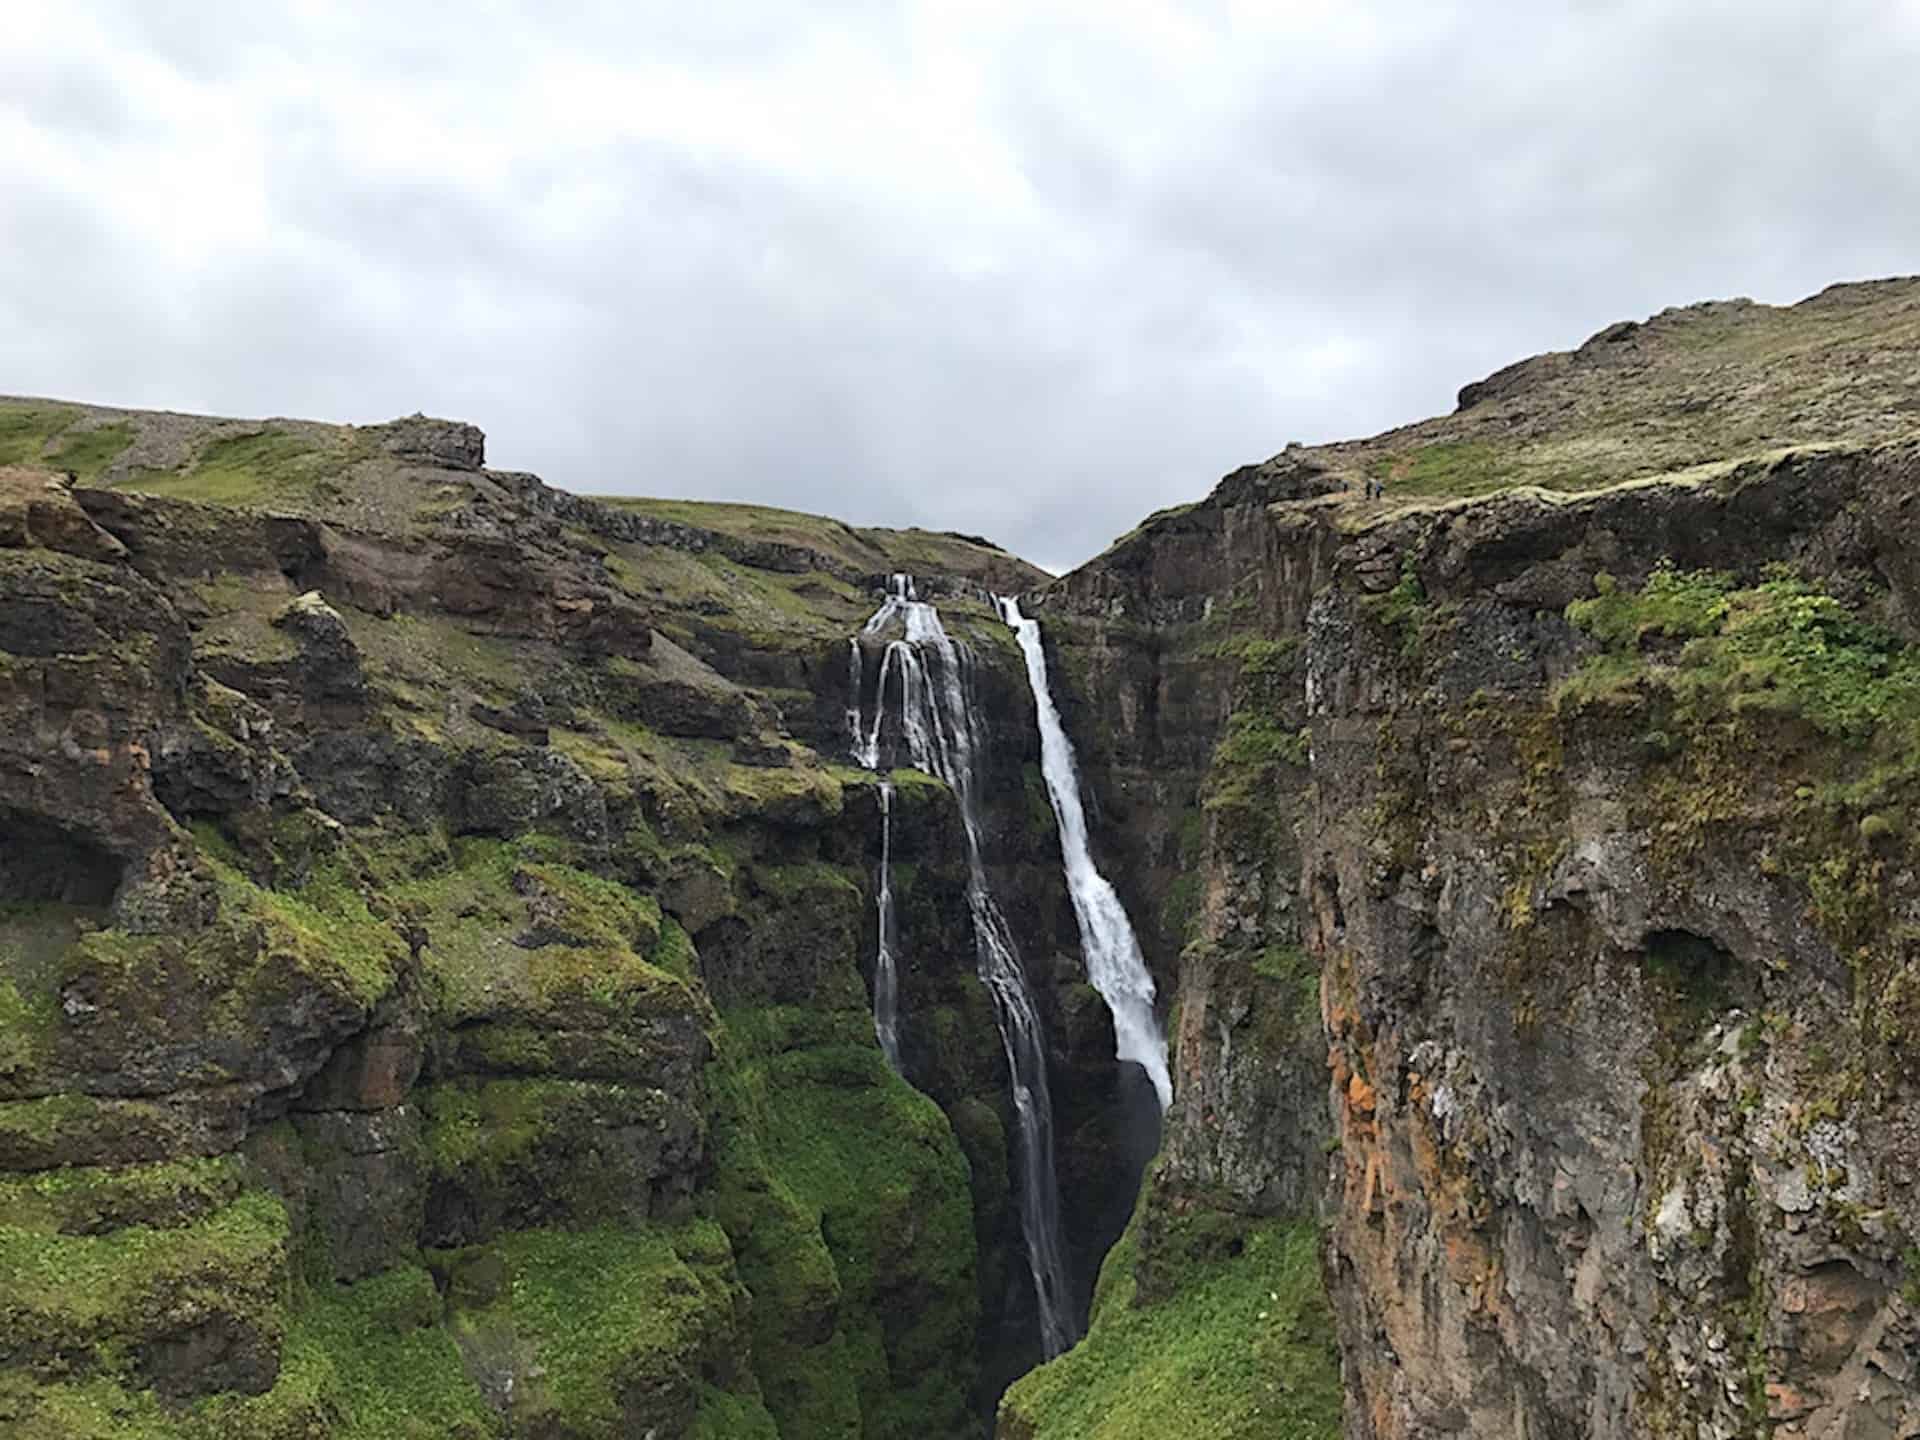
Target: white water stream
{"x":935,"y":722}
{"x":1115,"y":966}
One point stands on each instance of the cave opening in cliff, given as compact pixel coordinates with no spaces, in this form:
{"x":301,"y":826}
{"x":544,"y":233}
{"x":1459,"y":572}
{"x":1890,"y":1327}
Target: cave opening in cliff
{"x":44,"y":862}
{"x":1695,"y":977}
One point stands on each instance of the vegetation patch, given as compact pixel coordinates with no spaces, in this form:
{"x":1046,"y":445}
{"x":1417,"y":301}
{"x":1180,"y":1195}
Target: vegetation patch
{"x":626,"y":1323}
{"x":27,"y":427}
{"x":1445,"y":467}
{"x":511,"y":930}
{"x":1781,"y":646}
{"x":1261,"y":741}
{"x":1240,"y":1346}
{"x":846,"y":1196}
{"x":1406,"y":611}
{"x":375,"y":1356}
{"x":91,"y":1200}
{"x":81,"y":1304}
{"x":264,"y":468}
{"x":1773,"y":709}
{"x":86,"y":452}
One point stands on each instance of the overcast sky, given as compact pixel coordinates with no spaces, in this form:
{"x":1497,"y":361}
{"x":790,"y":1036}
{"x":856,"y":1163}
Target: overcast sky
{"x":1028,"y":269}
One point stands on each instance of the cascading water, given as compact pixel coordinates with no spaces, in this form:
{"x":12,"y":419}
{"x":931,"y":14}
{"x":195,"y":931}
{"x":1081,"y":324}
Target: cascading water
{"x":938,"y":730}
{"x":1114,"y":963}
{"x":886,"y":971}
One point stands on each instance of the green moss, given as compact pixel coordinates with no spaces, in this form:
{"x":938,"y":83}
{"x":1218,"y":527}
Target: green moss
{"x":92,"y":1299}
{"x":1041,"y":825}
{"x":1780,"y":646}
{"x":846,"y":1197}
{"x":1442,"y":468}
{"x":1405,"y":609}
{"x":87,"y":1200}
{"x":788,"y":882}
{"x":1253,"y":742}
{"x":265,"y":950}
{"x":52,"y":1130}
{"x":374,"y":1355}
{"x":624,"y":1322}
{"x":726,"y":1416}
{"x":1673,"y":604}
{"x":675,"y":952}
{"x":511,"y":930}
{"x":1241,"y":1346}
{"x":517,"y":1147}
{"x":328,"y":927}
{"x":28,"y":1024}
{"x":756,"y":787}
{"x":593,"y":910}
{"x":1261,"y":742}
{"x":1182,"y":906}
{"x":366,"y":1362}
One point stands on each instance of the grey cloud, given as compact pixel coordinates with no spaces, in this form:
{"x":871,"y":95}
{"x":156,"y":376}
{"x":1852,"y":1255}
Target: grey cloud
{"x":1140,"y":248}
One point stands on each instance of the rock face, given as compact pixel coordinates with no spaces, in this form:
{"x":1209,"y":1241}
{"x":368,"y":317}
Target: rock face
{"x":1578,"y":818}
{"x":1620,"y":1075}
{"x":433,"y":915}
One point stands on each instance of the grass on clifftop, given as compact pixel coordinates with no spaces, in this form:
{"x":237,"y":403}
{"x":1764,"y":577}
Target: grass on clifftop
{"x":34,"y":433}
{"x":1242,"y":1348}
{"x":868,"y":550}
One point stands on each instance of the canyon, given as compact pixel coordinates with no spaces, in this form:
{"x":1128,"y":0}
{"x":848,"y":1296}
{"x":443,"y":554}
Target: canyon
{"x":1419,"y":942}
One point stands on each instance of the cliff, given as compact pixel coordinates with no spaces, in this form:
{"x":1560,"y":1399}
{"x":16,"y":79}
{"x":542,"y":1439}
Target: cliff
{"x":437,"y":924}
{"x":1534,"y":854}
{"x":434,"y":915}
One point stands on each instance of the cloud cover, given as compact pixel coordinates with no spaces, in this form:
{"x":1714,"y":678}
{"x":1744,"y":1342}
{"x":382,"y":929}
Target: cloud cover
{"x":1024,"y":269}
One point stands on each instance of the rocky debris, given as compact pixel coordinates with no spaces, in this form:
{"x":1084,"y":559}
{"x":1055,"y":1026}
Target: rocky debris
{"x":37,"y":509}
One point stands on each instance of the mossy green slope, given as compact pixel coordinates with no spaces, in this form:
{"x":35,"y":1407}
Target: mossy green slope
{"x":1236,"y":1344}
{"x":847,"y":1196}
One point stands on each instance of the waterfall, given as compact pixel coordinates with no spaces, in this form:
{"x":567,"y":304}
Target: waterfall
{"x":1114,"y":963}
{"x":886,"y":976}
{"x":936,"y":722}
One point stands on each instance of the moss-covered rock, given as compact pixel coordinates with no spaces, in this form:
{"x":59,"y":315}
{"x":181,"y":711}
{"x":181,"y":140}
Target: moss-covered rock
{"x":847,"y":1198}
{"x":1237,"y":1342}
{"x":186,"y":1309}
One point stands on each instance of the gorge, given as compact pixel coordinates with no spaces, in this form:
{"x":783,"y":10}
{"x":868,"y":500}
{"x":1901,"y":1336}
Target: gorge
{"x":478,"y":960}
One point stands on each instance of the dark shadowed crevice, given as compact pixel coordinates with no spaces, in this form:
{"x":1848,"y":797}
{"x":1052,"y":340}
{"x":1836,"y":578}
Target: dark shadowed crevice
{"x":40,"y":861}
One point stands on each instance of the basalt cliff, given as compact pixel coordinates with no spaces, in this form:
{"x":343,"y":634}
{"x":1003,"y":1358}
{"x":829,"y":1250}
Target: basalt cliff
{"x":442,"y":920}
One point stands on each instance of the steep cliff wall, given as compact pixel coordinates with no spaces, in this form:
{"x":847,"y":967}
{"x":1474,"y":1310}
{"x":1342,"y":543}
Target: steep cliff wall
{"x":1554,"y":759}
{"x":1609,"y":874}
